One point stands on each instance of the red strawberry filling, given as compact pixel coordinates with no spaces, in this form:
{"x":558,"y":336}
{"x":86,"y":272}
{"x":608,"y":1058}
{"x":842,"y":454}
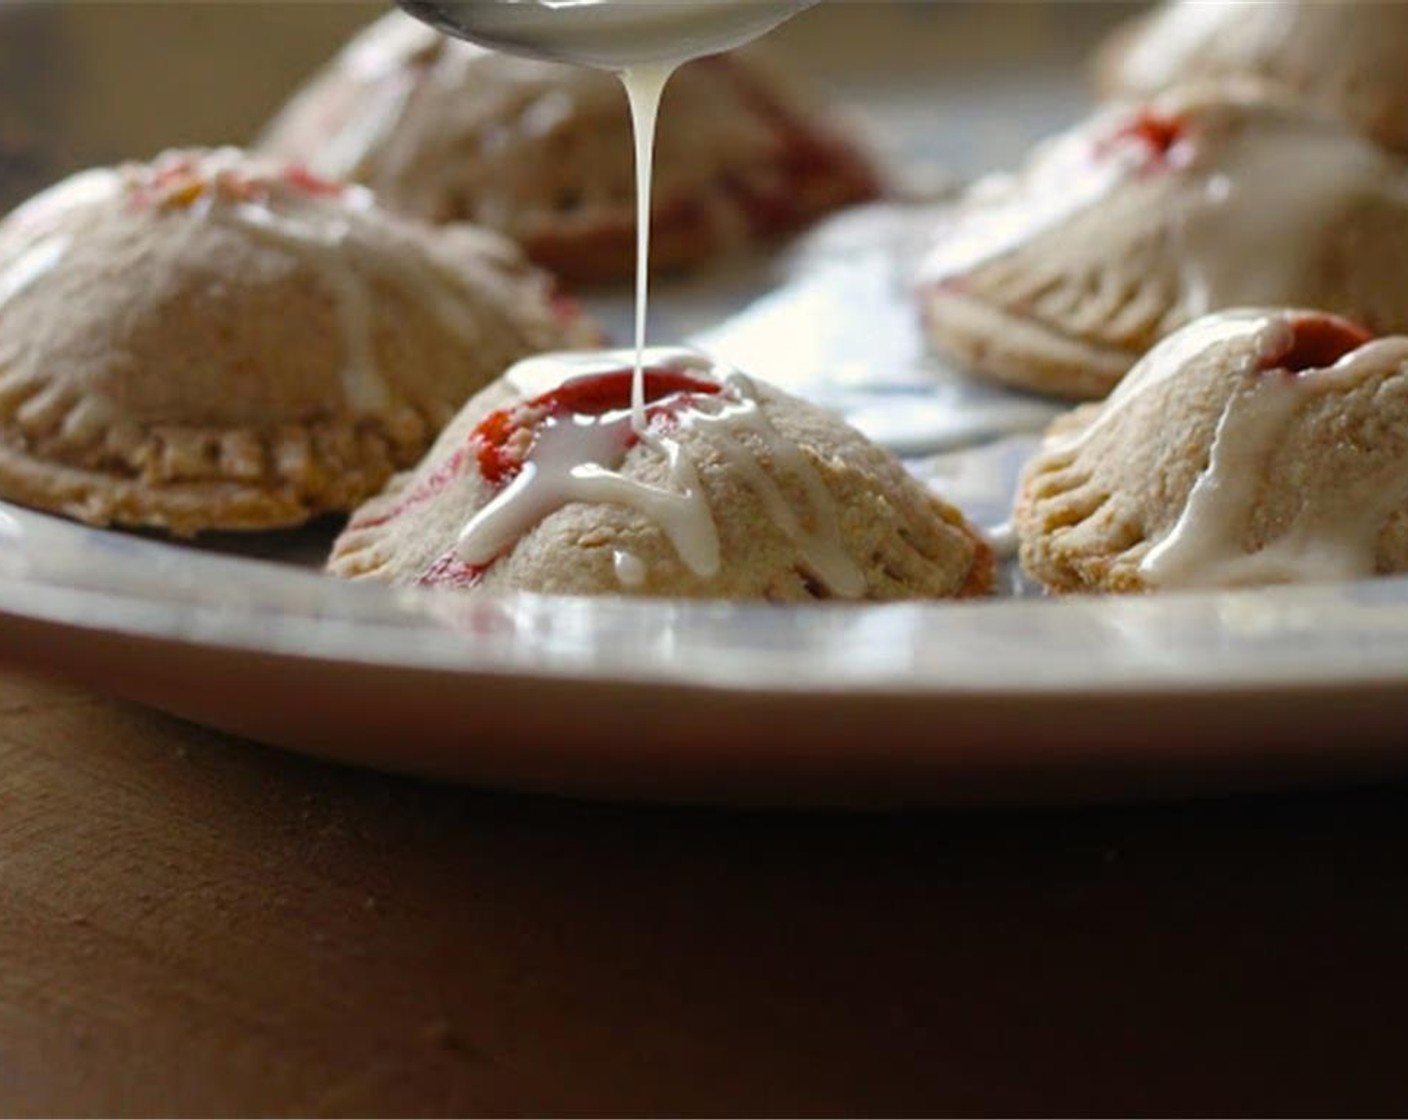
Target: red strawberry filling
{"x":1163,"y":139}
{"x":501,"y":451}
{"x":301,"y":179}
{"x":503,"y":441}
{"x":1317,"y":342}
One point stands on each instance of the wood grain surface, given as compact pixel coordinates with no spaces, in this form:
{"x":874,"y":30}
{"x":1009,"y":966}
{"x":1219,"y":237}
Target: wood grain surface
{"x":193,"y":925}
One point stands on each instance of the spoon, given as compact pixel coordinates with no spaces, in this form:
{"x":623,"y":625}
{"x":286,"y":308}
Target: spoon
{"x":644,"y":42}
{"x":609,"y":34}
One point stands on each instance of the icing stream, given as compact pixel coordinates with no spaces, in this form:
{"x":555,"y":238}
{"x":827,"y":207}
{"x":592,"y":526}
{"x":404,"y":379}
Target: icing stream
{"x":645,"y":86}
{"x":643,"y":42}
{"x":575,"y":452}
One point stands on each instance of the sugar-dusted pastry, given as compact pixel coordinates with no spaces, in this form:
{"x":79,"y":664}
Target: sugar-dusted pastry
{"x":1143,"y":218}
{"x":1348,"y":56}
{"x":1252,"y":447}
{"x":721,"y":487}
{"x":443,"y":130}
{"x":215,"y":342}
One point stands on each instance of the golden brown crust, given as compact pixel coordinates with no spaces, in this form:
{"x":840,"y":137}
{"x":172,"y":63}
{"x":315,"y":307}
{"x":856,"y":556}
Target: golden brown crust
{"x":1023,"y":352}
{"x":1315,"y":454}
{"x":186,"y":361}
{"x":1068,"y":303}
{"x":906,"y":542}
{"x":443,"y":130}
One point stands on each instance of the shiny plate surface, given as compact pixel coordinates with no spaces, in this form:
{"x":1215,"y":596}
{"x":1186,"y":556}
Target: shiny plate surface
{"x":1016,"y":700}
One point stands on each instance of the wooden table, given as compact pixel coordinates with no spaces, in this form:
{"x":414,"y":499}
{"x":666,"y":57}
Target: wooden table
{"x":190,"y":924}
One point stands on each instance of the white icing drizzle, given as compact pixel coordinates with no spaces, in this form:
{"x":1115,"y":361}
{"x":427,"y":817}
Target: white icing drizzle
{"x":33,"y":263}
{"x":630,"y":569}
{"x":820,"y":545}
{"x":42,"y":213}
{"x":1067,"y":174}
{"x":1248,"y":228}
{"x":321,"y":244}
{"x":1206,"y":546}
{"x":572,"y":461}
{"x":345,"y":241}
{"x":1243,"y":226}
{"x":34,"y":238}
{"x":1170,"y":356}
{"x":575,"y":459}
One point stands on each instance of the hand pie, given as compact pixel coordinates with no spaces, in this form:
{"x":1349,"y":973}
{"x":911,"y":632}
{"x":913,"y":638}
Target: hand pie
{"x":443,"y":130}
{"x":1143,"y":218}
{"x":1252,"y":447}
{"x":215,"y":342}
{"x":729,"y":489}
{"x":1349,"y":57}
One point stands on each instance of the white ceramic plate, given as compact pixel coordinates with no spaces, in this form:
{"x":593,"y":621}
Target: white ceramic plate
{"x":1007,"y":701}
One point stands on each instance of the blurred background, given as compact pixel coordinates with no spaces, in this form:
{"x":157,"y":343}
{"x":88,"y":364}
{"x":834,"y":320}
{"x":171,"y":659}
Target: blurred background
{"x":960,"y":86}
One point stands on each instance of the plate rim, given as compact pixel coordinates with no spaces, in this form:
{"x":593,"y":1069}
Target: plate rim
{"x":232,"y":604}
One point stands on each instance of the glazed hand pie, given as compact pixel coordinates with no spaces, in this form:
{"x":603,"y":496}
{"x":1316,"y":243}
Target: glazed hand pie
{"x":722,"y":488}
{"x":1252,"y":447}
{"x":1143,"y":218}
{"x":443,"y":130}
{"x":1349,"y":57}
{"x":215,"y":342}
